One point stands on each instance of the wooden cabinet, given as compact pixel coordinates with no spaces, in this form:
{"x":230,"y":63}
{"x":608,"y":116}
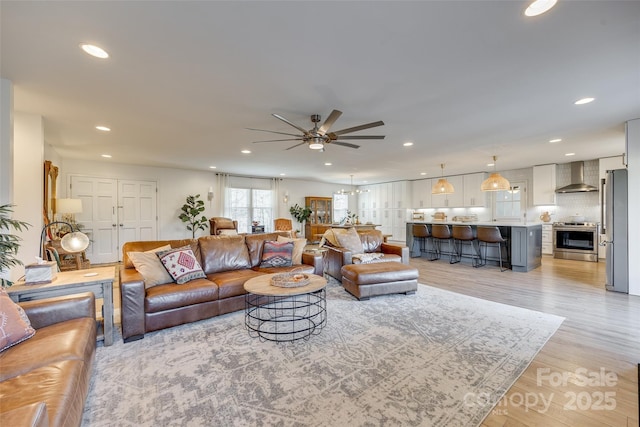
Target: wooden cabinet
{"x":544,"y":185}
{"x":473,"y":195}
{"x":321,"y":215}
{"x":547,"y":239}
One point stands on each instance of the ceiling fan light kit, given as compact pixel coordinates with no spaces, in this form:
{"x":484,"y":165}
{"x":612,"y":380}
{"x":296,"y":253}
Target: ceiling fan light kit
{"x":317,"y":137}
{"x":442,"y":186}
{"x":495,"y":182}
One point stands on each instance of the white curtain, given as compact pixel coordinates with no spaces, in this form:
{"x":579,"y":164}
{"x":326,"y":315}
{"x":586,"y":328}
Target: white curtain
{"x":276,"y":199}
{"x":221,"y":193}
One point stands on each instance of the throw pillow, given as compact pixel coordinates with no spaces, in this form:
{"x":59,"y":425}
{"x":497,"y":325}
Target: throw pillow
{"x":16,"y":326}
{"x":350,"y":240}
{"x":148,"y":264}
{"x":276,"y":254}
{"x":227,"y":233}
{"x":181,"y":264}
{"x":298,"y":248}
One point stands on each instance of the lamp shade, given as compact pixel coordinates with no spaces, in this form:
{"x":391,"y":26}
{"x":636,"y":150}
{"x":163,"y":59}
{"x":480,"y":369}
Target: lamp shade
{"x":442,"y":187}
{"x":74,"y":242}
{"x":495,"y":182}
{"x":69,"y":206}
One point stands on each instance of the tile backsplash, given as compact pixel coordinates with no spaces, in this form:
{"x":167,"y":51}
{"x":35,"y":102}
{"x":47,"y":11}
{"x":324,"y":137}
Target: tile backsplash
{"x":586,"y":204}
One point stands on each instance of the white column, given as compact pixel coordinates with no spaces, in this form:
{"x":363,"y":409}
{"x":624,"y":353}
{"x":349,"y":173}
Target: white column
{"x":633,"y":165}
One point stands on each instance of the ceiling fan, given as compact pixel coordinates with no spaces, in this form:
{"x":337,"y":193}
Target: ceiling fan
{"x":317,"y":137}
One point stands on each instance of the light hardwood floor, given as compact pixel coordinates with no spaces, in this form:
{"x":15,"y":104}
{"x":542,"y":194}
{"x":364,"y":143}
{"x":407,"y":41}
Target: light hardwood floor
{"x":601,"y":333}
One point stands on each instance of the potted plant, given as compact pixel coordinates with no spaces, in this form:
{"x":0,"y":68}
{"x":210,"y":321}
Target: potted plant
{"x":9,"y":243}
{"x":190,"y":213}
{"x":300,"y":214}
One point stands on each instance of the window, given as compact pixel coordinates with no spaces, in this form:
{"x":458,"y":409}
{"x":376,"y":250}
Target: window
{"x":246,"y":205}
{"x":340,"y":206}
{"x":510,"y":204}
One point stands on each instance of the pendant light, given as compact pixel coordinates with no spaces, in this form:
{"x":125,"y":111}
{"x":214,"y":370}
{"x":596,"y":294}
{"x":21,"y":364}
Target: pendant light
{"x":495,"y":182}
{"x":442,"y":186}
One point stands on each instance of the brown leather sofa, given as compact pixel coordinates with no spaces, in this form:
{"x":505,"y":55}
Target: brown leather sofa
{"x":372,"y":242}
{"x":44,"y":380}
{"x":227,"y":261}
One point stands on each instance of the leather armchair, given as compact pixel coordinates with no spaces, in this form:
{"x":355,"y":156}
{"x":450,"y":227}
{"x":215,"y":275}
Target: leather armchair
{"x":218,"y":223}
{"x":372,"y":242}
{"x":283,"y":224}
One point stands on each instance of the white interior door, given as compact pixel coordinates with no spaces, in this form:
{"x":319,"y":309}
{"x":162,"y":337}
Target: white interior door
{"x":115,"y":212}
{"x":137,"y":212}
{"x":98,"y":217}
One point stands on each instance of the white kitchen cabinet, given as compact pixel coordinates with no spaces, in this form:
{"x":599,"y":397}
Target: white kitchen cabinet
{"x":400,"y":195}
{"x":454,"y":200}
{"x":473,"y":195}
{"x":544,"y":185}
{"x":547,"y":239}
{"x":421,"y":191}
{"x":399,"y":225}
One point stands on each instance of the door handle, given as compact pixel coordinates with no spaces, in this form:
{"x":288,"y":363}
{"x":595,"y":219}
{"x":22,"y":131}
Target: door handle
{"x":113,"y":225}
{"x":121,"y":225}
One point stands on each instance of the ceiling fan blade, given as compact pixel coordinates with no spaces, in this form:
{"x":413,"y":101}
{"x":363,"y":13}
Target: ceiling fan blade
{"x":297,"y":145}
{"x":345,"y":144}
{"x":304,"y":131}
{"x":273,"y":131}
{"x":277,"y":140}
{"x":357,"y":128}
{"x":360,"y":137}
{"x":335,"y":115}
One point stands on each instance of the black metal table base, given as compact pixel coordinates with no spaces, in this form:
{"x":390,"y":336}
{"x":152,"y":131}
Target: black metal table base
{"x":284,"y":319}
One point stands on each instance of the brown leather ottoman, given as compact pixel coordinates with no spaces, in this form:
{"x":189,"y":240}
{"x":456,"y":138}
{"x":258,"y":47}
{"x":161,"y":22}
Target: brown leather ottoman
{"x":382,"y":278}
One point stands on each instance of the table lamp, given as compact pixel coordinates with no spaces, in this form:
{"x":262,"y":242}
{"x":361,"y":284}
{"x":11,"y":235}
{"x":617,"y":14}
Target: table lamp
{"x":68,"y":208}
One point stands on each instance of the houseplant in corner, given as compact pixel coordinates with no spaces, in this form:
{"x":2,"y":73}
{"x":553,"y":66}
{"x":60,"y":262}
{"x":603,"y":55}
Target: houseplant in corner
{"x":300,"y":214}
{"x":9,"y":243}
{"x":190,"y":213}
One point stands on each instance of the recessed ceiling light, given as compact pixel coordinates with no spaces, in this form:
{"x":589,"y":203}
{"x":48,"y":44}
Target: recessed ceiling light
{"x":570,"y":154}
{"x":553,"y":141}
{"x":365,"y":181}
{"x":246,"y":151}
{"x":283,"y":174}
{"x":584,"y":101}
{"x":490,"y":165}
{"x":94,"y":50}
{"x":103,"y":128}
{"x":212,"y":167}
{"x":423,"y":173}
{"x":408,"y":144}
{"x":328,"y":164}
{"x":106,"y":156}
{"x":539,"y":7}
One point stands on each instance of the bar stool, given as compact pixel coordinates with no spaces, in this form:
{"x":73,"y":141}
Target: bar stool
{"x":464,"y":234}
{"x":440,"y":232}
{"x":491,"y":236}
{"x":421,"y":233}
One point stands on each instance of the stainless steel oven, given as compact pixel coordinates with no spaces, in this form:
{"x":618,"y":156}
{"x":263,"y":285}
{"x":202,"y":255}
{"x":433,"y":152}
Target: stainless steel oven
{"x":578,"y":241}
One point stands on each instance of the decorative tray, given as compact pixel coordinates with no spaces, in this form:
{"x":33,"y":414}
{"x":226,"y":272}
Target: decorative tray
{"x":290,"y":280}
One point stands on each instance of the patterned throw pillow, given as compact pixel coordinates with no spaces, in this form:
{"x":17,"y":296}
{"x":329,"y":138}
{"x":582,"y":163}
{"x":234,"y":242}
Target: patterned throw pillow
{"x":298,"y":248}
{"x":15,"y":326}
{"x":276,"y":254}
{"x":181,"y":264}
{"x":151,"y":268}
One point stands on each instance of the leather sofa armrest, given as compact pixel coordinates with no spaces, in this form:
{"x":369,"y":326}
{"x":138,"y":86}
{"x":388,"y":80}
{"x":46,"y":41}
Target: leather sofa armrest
{"x":48,"y":311}
{"x":132,"y":294}
{"x":401,"y":251}
{"x":34,"y":415}
{"x":335,"y":259}
{"x":315,"y":260}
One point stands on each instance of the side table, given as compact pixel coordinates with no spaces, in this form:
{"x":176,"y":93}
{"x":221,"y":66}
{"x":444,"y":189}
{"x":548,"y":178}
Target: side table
{"x":97,"y":280}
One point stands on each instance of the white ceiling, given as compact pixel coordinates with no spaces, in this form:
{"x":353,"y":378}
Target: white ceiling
{"x":462,"y":80}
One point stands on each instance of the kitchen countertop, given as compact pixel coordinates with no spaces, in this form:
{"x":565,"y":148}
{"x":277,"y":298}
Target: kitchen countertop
{"x":482,"y":223}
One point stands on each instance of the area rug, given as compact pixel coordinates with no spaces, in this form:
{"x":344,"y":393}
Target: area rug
{"x":410,"y":360}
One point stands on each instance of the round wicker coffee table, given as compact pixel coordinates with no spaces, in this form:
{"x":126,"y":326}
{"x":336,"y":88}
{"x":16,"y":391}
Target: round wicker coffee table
{"x":280,"y":314}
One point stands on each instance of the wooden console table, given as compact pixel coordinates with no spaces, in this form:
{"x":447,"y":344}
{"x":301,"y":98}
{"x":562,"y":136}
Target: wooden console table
{"x":96,"y":280}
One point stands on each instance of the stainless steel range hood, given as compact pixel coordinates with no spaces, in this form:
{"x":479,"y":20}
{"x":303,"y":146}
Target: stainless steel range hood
{"x":577,"y":181}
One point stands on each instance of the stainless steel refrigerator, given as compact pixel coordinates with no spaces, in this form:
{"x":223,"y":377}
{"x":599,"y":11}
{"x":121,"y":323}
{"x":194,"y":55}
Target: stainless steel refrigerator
{"x":615,"y":229}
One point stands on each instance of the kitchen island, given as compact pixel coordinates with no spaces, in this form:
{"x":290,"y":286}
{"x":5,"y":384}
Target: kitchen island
{"x":524,"y":242}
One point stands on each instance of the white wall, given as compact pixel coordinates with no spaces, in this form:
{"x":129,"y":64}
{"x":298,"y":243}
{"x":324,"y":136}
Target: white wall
{"x":633,"y":162}
{"x":28,"y":184}
{"x":174,"y":185}
{"x":6,"y":141}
